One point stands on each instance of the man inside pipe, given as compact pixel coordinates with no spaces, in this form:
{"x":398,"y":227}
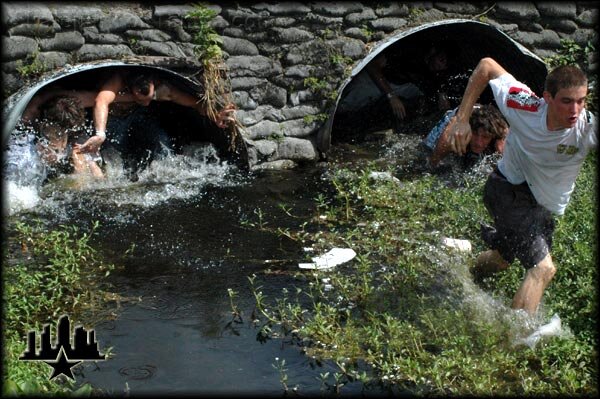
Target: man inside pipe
{"x":58,"y":115}
{"x":549,"y":140}
{"x":489,"y":130}
{"x":397,"y":87}
{"x":136,"y":125}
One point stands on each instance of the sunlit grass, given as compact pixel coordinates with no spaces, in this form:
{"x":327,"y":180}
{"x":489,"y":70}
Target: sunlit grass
{"x":407,"y":310}
{"x":50,"y":273}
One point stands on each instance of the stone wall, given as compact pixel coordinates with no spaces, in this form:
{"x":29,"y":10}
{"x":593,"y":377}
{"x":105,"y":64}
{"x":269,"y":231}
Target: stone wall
{"x":285,"y":60}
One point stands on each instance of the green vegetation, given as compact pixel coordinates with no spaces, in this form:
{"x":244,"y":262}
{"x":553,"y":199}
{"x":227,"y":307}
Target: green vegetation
{"x":406,"y":316}
{"x":57,"y":272}
{"x":572,"y":53}
{"x":31,"y":67}
{"x":207,"y":42}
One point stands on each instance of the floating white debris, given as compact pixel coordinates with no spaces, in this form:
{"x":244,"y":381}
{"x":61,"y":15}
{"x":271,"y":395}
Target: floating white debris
{"x":334,"y":257}
{"x":385,"y":176}
{"x":461,"y":245}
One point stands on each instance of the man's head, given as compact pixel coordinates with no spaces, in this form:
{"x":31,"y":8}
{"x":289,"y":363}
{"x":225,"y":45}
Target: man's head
{"x":437,"y":59}
{"x":564,"y":92}
{"x":487,"y":126}
{"x":64,"y":111}
{"x":61,"y":115}
{"x":142,"y":88}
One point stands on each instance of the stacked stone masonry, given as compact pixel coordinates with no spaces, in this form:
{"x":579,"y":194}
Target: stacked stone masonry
{"x":285,"y":60}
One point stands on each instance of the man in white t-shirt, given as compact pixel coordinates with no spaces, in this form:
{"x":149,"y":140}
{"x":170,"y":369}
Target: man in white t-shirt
{"x":549,"y":139}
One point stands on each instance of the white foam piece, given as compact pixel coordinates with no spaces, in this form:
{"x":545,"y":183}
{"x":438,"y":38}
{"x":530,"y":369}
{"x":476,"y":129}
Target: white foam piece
{"x":461,"y":245}
{"x":332,"y":258}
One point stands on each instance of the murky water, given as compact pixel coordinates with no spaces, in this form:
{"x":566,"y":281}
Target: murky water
{"x":187,"y":231}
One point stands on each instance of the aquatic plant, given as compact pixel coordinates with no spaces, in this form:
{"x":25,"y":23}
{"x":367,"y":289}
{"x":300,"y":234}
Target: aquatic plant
{"x":207,"y":46}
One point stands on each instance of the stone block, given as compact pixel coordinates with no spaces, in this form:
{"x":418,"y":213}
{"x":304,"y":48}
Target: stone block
{"x":17,"y":47}
{"x":77,"y":16}
{"x":120,"y":21}
{"x":63,"y":41}
{"x":14,"y":14}
{"x":92,"y":52}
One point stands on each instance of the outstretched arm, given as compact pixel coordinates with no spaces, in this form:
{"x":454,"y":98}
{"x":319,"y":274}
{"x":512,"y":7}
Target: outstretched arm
{"x":460,"y":131}
{"x":107,"y":94}
{"x":223,"y":117}
{"x":375,"y":71}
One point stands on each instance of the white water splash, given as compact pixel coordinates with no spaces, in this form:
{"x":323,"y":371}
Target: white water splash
{"x":174,"y":176}
{"x":22,"y":172}
{"x":524,"y":329}
{"x":19,"y":198}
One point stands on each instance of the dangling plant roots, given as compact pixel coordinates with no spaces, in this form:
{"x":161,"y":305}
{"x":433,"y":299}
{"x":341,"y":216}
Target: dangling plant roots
{"x":217,"y":94}
{"x":217,"y":87}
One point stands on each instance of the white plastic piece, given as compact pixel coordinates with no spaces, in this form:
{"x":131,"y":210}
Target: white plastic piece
{"x":333,"y":258}
{"x":461,"y":245}
{"x":384,"y":176}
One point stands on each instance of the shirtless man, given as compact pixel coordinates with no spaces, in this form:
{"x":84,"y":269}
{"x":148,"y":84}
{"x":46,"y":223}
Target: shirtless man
{"x":144,"y":89}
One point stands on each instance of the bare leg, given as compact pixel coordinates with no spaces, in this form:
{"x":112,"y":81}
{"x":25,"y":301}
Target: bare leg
{"x":489,"y":262}
{"x":529,"y":295}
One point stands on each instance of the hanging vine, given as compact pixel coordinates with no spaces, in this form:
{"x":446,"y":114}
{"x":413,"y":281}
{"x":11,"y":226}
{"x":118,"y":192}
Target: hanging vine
{"x":207,"y":47}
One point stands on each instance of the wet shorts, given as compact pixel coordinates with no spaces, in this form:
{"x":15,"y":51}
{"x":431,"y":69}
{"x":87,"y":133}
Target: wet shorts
{"x":523,"y":228}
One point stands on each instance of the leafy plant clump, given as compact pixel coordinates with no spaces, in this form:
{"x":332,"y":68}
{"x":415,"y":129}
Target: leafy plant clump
{"x":53,"y":273}
{"x":572,"y":53}
{"x":406,"y":315}
{"x":207,"y":46}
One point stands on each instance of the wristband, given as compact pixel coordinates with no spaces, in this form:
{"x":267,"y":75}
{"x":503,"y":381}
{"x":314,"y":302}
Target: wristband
{"x":101,"y":133}
{"x":390,"y":95}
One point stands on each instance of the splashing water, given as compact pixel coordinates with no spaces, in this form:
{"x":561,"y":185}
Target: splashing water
{"x":23,"y":172}
{"x":524,"y":329}
{"x":172,"y":176}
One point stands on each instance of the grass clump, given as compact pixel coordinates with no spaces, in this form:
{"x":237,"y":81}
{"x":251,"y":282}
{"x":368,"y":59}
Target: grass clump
{"x":50,"y":273}
{"x":406,"y":316}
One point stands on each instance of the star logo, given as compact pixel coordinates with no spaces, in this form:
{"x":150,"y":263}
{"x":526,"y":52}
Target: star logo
{"x":68,"y":350}
{"x":62,"y":365}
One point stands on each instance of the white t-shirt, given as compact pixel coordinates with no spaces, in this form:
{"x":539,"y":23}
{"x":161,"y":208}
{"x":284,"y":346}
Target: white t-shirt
{"x":548,"y":160}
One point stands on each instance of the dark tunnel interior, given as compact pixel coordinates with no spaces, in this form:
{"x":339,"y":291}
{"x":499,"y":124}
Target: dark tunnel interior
{"x":465,"y":43}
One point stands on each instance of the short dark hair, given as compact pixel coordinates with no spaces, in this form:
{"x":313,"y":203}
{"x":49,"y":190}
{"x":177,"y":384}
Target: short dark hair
{"x":490,"y":119}
{"x":565,"y":77}
{"x":141,"y":82}
{"x":64,"y":111}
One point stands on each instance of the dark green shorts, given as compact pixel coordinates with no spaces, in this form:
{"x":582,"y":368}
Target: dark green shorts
{"x":523,"y":229}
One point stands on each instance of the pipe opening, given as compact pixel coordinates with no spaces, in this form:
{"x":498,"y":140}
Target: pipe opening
{"x":362,"y":106}
{"x":181,"y":125}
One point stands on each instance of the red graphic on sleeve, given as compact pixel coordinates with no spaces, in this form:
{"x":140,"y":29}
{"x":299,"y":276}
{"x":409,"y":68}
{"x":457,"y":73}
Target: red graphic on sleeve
{"x":521,"y":98}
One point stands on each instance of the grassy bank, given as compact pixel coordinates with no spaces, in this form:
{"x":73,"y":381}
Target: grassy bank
{"x":406,"y":316}
{"x":46,"y":273}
